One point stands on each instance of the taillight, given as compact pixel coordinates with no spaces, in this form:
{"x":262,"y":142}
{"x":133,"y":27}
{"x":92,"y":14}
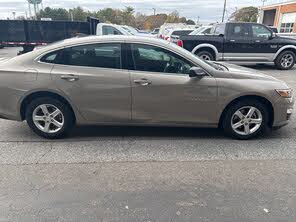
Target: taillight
{"x":166,"y":38}
{"x":161,"y":36}
{"x":180,"y":43}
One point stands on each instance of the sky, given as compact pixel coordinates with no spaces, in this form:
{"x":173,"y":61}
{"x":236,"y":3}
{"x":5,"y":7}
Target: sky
{"x":205,"y":10}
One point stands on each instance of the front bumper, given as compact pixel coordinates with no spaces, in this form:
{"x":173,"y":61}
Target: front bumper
{"x":283,"y":112}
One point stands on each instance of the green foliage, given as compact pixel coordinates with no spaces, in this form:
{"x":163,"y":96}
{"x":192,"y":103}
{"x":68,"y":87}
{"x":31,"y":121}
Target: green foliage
{"x":54,"y":13}
{"x":247,"y":14}
{"x":122,"y":17}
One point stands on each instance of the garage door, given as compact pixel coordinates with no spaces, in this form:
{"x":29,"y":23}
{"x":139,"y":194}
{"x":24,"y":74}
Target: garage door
{"x":288,"y":22}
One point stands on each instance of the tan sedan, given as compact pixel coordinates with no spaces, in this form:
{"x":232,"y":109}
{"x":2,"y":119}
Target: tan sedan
{"x":122,"y":80}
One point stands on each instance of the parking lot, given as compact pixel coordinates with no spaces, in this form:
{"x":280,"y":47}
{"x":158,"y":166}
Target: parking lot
{"x":148,"y":174}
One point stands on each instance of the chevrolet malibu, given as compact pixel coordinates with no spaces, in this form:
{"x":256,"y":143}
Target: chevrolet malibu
{"x":128,"y":80}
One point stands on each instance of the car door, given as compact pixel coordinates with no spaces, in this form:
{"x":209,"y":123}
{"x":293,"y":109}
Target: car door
{"x":238,"y":43}
{"x":91,"y":75}
{"x":264,"y":46}
{"x":163,"y":92}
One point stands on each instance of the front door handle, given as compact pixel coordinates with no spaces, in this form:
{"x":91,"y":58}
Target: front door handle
{"x":232,"y":40}
{"x":70,"y":77}
{"x":143,"y":82}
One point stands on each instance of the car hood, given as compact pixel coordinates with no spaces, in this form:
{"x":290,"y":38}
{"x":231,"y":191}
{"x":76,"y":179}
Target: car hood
{"x":239,"y":72}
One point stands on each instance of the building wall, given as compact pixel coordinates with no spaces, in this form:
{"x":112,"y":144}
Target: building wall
{"x":282,"y":9}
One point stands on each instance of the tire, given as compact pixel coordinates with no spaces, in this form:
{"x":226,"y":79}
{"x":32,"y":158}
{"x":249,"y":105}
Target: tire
{"x":205,"y":55}
{"x":244,"y":106}
{"x":290,"y":60}
{"x":58,"y":126}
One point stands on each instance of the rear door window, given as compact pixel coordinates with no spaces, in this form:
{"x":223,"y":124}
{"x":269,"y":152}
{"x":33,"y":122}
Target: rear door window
{"x":102,"y":55}
{"x":238,"y":31}
{"x":51,"y":57}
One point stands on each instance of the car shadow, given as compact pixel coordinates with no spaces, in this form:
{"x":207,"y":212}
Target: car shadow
{"x":139,"y":131}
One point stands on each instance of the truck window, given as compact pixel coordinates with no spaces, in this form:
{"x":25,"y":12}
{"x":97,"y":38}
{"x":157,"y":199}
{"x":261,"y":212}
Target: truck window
{"x":238,"y":31}
{"x":109,"y":30}
{"x":220,"y":29}
{"x":260,"y":31}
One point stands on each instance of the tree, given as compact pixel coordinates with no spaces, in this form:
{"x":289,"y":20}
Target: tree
{"x":247,"y":14}
{"x":190,"y":22}
{"x":54,"y":13}
{"x":173,"y":17}
{"x":127,"y":17}
{"x":78,"y":14}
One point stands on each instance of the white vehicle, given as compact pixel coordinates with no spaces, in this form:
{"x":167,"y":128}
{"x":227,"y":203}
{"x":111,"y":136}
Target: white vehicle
{"x":202,"y":30}
{"x":167,"y":27}
{"x":134,"y":31}
{"x":111,"y":29}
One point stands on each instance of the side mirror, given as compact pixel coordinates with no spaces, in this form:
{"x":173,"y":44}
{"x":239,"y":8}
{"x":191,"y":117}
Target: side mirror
{"x":197,"y":72}
{"x":273,"y":35}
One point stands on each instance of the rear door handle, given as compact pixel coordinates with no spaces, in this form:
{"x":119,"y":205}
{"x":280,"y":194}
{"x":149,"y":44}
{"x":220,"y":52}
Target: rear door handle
{"x":143,"y":82}
{"x":258,"y":41}
{"x":70,"y":77}
{"x":232,"y":40}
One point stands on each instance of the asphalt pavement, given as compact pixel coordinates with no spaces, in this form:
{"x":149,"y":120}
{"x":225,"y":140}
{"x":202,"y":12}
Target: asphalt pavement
{"x":148,"y":174}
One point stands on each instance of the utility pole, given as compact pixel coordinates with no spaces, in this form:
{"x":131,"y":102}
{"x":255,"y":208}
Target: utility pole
{"x":263,"y":2}
{"x":224,"y":11}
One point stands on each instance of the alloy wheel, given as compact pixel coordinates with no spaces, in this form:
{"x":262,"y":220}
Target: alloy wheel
{"x":205,"y":57}
{"x":48,"y":118}
{"x":246,"y":121}
{"x":287,"y":60}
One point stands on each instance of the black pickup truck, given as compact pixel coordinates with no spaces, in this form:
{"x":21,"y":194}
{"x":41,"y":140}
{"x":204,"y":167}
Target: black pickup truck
{"x":242,"y":43}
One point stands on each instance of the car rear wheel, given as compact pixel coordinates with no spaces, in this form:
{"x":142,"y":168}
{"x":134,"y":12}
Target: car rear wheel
{"x":246,"y":120}
{"x":205,"y":55}
{"x":49,"y":118}
{"x":285,"y":60}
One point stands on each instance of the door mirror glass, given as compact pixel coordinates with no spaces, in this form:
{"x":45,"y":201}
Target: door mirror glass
{"x":197,"y":72}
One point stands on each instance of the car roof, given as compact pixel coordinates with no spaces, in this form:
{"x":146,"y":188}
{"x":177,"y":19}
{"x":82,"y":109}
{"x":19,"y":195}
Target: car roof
{"x":106,"y":38}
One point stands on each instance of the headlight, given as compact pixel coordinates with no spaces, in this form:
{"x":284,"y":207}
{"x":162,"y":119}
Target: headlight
{"x":285,"y":93}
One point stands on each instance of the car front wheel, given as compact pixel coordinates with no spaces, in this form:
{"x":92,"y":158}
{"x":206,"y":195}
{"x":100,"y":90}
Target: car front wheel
{"x":49,"y":118}
{"x":246,"y":120}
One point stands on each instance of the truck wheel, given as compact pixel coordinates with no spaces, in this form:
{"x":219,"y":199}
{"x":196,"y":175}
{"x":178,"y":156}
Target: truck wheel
{"x":246,"y":119}
{"x":205,"y":55}
{"x":49,"y":118}
{"x":285,"y":60}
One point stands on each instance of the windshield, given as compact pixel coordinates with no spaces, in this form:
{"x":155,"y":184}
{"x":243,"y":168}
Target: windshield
{"x":130,"y":30}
